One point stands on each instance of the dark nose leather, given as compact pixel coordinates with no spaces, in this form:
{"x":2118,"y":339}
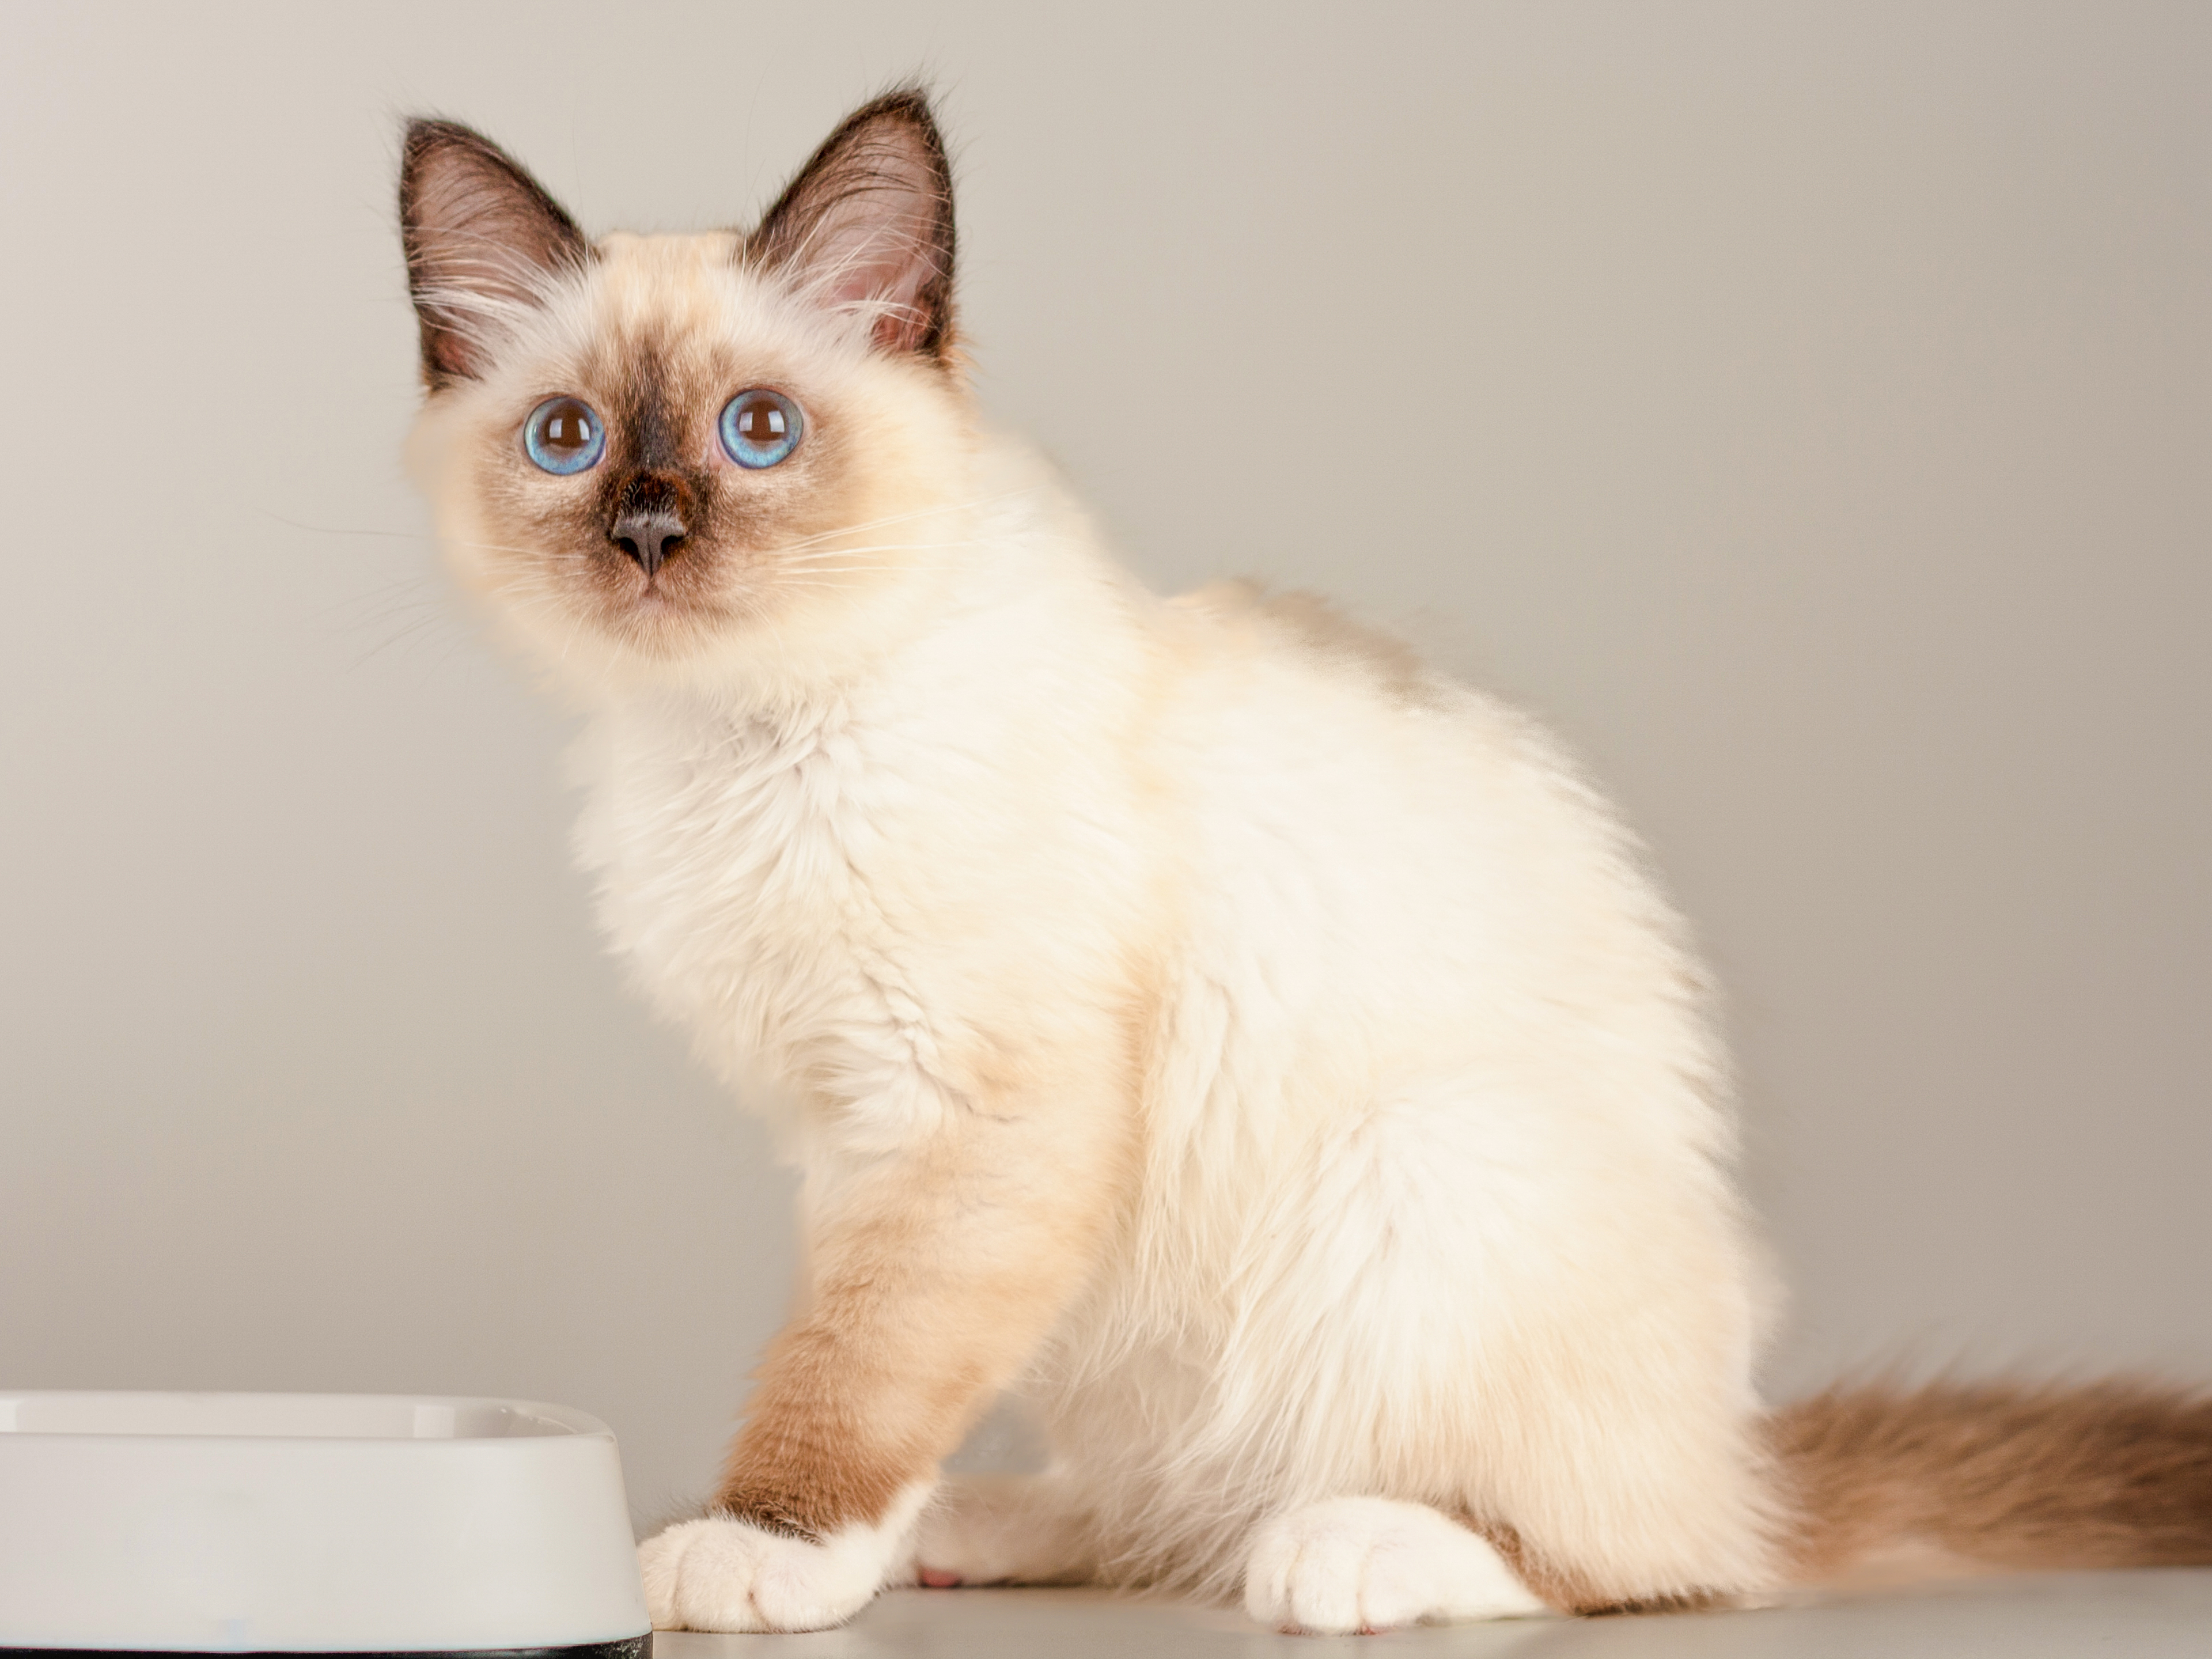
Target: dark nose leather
{"x":650,"y":535}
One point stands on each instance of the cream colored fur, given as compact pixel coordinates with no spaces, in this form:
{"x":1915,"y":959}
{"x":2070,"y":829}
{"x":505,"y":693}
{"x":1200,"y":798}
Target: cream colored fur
{"x":1270,"y":1057}
{"x":723,"y":1575}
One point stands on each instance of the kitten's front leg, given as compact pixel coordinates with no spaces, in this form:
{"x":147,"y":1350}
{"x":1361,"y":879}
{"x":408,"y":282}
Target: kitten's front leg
{"x":936,"y":1272}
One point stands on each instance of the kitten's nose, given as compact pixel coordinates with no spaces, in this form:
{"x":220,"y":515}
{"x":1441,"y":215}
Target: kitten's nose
{"x":649,"y":535}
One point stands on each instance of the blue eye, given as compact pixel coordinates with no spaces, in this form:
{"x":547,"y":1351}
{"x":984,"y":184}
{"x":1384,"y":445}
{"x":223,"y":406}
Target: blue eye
{"x":760,"y":428}
{"x":563,"y":435}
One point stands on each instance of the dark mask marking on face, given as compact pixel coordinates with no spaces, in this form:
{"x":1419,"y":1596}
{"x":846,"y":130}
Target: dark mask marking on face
{"x":653,"y":504}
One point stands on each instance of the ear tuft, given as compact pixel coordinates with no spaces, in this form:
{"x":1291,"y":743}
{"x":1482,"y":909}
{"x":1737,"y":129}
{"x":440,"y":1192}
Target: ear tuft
{"x":866,"y":227}
{"x":483,"y":243}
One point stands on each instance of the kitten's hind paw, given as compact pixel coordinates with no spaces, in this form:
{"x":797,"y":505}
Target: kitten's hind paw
{"x":1002,"y":1529}
{"x":1372,"y":1564}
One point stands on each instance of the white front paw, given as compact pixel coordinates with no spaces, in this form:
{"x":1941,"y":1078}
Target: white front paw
{"x":1371,"y":1563}
{"x":721,"y":1574}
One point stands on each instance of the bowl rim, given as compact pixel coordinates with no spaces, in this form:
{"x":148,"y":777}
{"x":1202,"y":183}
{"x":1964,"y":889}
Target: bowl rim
{"x":562,"y":1423}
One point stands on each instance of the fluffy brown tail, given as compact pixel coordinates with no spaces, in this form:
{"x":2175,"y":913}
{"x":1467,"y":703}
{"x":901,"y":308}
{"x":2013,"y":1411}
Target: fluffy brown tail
{"x":1948,"y":1479}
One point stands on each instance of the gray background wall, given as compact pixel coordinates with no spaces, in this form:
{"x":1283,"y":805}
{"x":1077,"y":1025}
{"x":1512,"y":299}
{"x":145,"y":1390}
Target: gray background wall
{"x":1808,"y":409}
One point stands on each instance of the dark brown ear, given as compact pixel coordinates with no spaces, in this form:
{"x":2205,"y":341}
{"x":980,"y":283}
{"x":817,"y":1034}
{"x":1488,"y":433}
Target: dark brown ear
{"x":866,"y":227}
{"x":483,"y":240}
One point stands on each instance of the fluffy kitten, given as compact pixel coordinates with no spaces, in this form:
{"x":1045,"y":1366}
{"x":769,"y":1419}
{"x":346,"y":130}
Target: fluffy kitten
{"x":1268,"y":1055}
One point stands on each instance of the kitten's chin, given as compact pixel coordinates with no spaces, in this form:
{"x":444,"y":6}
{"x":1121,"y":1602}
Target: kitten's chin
{"x":654,"y":643}
{"x":660,"y":630}
{"x":718,"y":634}
{"x":654,"y":613}
{"x":594,"y":647}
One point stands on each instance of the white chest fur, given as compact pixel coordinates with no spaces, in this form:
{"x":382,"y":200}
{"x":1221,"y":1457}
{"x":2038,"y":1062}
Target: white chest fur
{"x":727,"y":851}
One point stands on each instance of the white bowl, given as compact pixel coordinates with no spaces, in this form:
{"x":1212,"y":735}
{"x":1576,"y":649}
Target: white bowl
{"x":311,"y":1523}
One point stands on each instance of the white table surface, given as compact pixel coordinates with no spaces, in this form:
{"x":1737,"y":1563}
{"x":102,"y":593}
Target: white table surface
{"x":2127,"y":1615}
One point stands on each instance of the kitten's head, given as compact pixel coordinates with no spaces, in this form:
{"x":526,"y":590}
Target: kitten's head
{"x":695,"y":457}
